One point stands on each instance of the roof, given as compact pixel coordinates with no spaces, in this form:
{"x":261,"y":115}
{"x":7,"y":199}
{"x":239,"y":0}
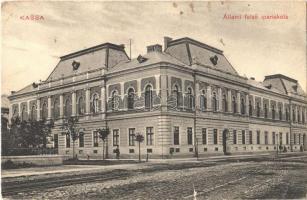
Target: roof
{"x":263,"y":86}
{"x":27,"y":89}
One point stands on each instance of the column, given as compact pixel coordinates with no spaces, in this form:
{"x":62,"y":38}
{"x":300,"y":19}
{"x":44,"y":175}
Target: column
{"x":164,"y":92}
{"x":209,"y":101}
{"x":296,"y":114}
{"x":197,"y":96}
{"x":87,"y":101}
{"x":157,"y":77}
{"x":238,"y":102}
{"x":103,"y":101}
{"x":247,"y":105}
{"x":73,"y":103}
{"x":220,"y":96}
{"x":291,"y":113}
{"x":229,"y":101}
{"x":122,"y":90}
{"x":49,"y":107}
{"x":61,"y":106}
{"x":38,"y":109}
{"x":139,"y":87}
{"x":182,"y":92}
{"x":19,"y":110}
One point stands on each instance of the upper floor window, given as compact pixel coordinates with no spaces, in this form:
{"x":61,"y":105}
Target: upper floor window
{"x":242,"y":106}
{"x":190,"y":98}
{"x":95,"y":103}
{"x":81,"y":106}
{"x":266,"y":139}
{"x":287,"y":138}
{"x":287,"y":114}
{"x":303,"y":117}
{"x":203,"y":100}
{"x":250,"y":107}
{"x":24,"y":113}
{"x":298,"y":115}
{"x":131,"y":98}
{"x":214,"y":102}
{"x":225,"y":103}
{"x":114,"y":103}
{"x":148,"y":97}
{"x":67,"y":108}
{"x":56,"y":110}
{"x":258,"y":109}
{"x":293,"y":116}
{"x":265,"y":111}
{"x":44,"y":111}
{"x":273,"y":111}
{"x":280,"y":113}
{"x":33,"y":113}
{"x":176,"y":95}
{"x":234,"y":104}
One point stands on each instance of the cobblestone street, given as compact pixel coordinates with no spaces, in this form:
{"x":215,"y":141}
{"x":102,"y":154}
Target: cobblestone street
{"x":283,"y":178}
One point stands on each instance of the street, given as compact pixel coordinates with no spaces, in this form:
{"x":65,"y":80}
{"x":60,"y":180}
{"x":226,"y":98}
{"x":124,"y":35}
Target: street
{"x":245,"y":178}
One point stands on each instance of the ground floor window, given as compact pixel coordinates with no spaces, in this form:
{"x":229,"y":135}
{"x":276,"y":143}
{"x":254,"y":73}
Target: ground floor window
{"x":258,"y":137}
{"x":287,"y":138}
{"x":115,"y":137}
{"x":131,"y":136}
{"x":273,"y":138}
{"x":149,"y":136}
{"x":95,"y":139}
{"x":243,"y":136}
{"x":250,"y":137}
{"x":266,"y":138}
{"x":190,"y":136}
{"x":234,"y":137}
{"x":214,"y":136}
{"x":81,"y":140}
{"x":67,"y":140}
{"x":176,"y":135}
{"x":280,"y":139}
{"x":204,"y":135}
{"x":294,"y":138}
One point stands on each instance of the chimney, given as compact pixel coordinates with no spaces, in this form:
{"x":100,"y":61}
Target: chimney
{"x":252,"y":78}
{"x":122,"y":46}
{"x":155,"y":47}
{"x":166,"y":41}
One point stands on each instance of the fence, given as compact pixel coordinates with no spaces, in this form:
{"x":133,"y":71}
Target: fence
{"x":29,"y":151}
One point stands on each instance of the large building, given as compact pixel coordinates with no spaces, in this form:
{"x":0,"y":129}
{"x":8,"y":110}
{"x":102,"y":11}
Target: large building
{"x":183,"y":99}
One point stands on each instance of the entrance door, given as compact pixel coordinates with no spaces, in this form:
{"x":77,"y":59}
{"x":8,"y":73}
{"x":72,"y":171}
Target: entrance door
{"x":225,"y":132}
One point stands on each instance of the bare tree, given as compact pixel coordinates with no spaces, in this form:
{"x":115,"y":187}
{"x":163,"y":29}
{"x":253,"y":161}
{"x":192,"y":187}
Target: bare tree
{"x":139,"y":138}
{"x":103,"y":135}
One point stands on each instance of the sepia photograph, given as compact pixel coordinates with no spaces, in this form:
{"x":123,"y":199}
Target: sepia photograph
{"x":162,"y":100}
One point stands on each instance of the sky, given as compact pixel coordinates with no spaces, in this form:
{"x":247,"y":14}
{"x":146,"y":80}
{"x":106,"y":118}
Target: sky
{"x":256,"y":48}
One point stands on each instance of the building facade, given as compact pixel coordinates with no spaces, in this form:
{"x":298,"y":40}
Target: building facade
{"x":185,"y":99}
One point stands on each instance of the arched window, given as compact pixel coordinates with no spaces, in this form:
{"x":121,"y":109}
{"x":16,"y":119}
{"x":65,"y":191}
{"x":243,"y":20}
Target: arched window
{"x":242,"y":106}
{"x":293,"y":115}
{"x":56,"y":109}
{"x":258,"y":109}
{"x":273,"y":111}
{"x":148,"y":97}
{"x":33,"y":113}
{"x":303,"y":117}
{"x":265,"y":111}
{"x":225,"y":103}
{"x":114,"y":100}
{"x":190,"y":99}
{"x":280,"y":113}
{"x":95,"y":103}
{"x":203,"y":100}
{"x":234,"y":104}
{"x":176,"y":94}
{"x":24,"y":113}
{"x":298,"y":115}
{"x":81,"y":106}
{"x":44,"y":111}
{"x":131,"y":98}
{"x":214,"y":102}
{"x":250,"y":108}
{"x":67,"y":108}
{"x":287,"y":114}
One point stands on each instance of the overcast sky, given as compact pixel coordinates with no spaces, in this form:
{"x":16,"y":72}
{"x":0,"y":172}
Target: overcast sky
{"x":31,"y":49}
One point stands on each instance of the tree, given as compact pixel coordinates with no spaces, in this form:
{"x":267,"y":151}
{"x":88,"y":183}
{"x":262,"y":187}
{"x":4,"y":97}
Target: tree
{"x":71,"y":130}
{"x":139,"y":138}
{"x":103,"y":135}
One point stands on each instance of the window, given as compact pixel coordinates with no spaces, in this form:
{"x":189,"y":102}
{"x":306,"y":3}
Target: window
{"x":234,"y":137}
{"x":33,"y":113}
{"x":265,"y":111}
{"x":176,"y":94}
{"x":190,"y":136}
{"x":81,"y":140}
{"x":273,"y":137}
{"x":280,"y":139}
{"x":131,"y":98}
{"x":250,"y":137}
{"x":204,"y":135}
{"x":234,"y":104}
{"x":287,"y":138}
{"x":203,"y":101}
{"x":242,"y":106}
{"x":114,"y":103}
{"x":299,"y":138}
{"x":148,"y":97}
{"x":225,"y":103}
{"x":56,"y":109}
{"x":287,"y":114}
{"x":258,"y":137}
{"x":298,"y":115}
{"x":67,"y":140}
{"x":24,"y":113}
{"x":44,"y":111}
{"x":303,"y":117}
{"x":95,"y":138}
{"x":131,"y":136}
{"x":214,"y":136}
{"x":243,"y":136}
{"x":250,"y":107}
{"x":214,"y":102}
{"x":115,"y":137}
{"x":273,"y":111}
{"x":190,"y":99}
{"x":95,"y":103}
{"x":56,"y":141}
{"x":293,"y":115}
{"x":81,"y":106}
{"x":266,"y":141}
{"x":258,"y":109}
{"x":176,"y":135}
{"x":149,"y":136}
{"x":280,"y":113}
{"x":294,"y":138}
{"x":67,"y":108}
